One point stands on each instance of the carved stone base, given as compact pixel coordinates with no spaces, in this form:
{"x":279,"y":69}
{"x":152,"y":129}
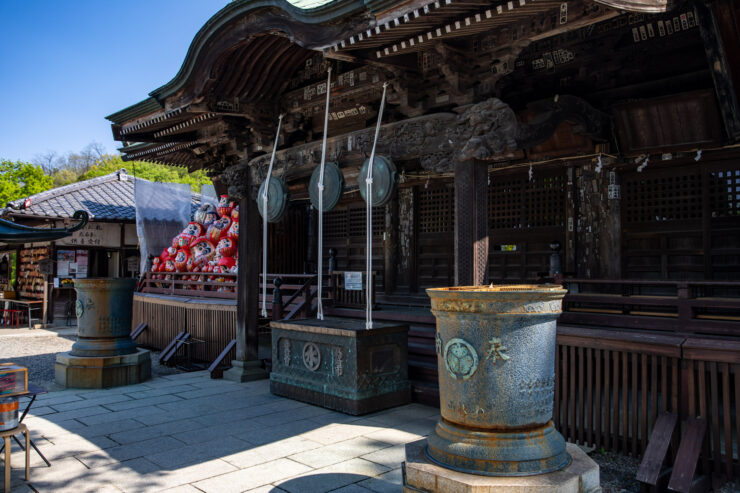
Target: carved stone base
{"x":245,"y":371}
{"x":89,"y":372}
{"x":337,"y":364}
{"x":423,"y":475}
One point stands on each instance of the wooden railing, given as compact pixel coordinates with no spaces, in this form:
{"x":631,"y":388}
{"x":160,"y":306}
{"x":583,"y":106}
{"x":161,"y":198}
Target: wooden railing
{"x":182,"y":284}
{"x":294,"y":298}
{"x":686,"y":307}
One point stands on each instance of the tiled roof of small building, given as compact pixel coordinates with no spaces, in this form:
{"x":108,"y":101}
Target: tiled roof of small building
{"x":109,"y":197}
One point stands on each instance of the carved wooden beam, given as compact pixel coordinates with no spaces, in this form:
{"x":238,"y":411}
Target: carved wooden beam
{"x":485,"y":131}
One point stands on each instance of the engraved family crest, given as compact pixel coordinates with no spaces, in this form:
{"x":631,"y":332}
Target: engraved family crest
{"x":460,"y":359}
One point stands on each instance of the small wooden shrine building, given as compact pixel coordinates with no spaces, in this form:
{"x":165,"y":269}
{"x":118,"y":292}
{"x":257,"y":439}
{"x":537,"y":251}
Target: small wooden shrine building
{"x":606,"y":131}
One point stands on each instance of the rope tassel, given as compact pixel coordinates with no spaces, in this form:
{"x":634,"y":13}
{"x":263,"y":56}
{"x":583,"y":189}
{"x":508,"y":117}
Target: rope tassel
{"x":369,"y":220}
{"x":264,"y":219}
{"x":320,"y":306}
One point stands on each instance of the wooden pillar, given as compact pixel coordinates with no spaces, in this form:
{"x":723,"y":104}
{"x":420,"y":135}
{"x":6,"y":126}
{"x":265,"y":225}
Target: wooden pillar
{"x":247,"y":365}
{"x":471,"y":223}
{"x":719,"y":68}
{"x":390,"y":245}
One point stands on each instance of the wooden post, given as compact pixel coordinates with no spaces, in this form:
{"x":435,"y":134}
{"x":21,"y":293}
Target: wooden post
{"x":390,"y":245}
{"x":247,"y":365}
{"x":471,"y":223}
{"x":277,"y":300}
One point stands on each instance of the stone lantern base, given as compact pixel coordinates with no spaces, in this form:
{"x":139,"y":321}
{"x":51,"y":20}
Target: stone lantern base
{"x":423,"y":475}
{"x":88,"y":372}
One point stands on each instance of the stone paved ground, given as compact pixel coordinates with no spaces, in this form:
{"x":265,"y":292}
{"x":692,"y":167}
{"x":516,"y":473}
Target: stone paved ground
{"x":187,"y":433}
{"x":37,"y":350}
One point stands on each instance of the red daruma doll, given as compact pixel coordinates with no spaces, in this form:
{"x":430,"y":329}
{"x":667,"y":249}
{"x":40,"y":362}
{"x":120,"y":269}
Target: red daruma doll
{"x":192,"y":230}
{"x":233,"y":231}
{"x":218,"y":230}
{"x":181,"y":260}
{"x":225,"y":206}
{"x":202,"y":250}
{"x":226,"y":247}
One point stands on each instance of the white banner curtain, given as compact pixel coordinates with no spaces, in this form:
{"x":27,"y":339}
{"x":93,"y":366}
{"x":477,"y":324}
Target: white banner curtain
{"x":162,"y":212}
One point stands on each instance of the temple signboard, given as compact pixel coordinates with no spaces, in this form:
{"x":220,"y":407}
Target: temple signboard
{"x":95,"y":235}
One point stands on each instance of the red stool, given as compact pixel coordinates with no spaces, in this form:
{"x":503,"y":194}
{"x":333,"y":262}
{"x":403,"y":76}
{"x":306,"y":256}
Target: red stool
{"x":11,"y":317}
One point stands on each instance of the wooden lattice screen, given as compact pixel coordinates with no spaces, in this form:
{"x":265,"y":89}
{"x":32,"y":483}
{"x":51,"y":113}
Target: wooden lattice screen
{"x":682,"y":222}
{"x":524,"y":216}
{"x":344,"y":230}
{"x":435,"y":258}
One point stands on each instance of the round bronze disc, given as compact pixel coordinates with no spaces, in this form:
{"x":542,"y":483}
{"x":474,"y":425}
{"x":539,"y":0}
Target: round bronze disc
{"x":384,"y":180}
{"x":277,"y":200}
{"x":333,"y":186}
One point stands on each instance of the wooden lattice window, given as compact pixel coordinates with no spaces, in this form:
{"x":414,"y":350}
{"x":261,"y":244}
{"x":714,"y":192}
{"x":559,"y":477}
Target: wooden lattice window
{"x":662,"y":197}
{"x":335,"y":224}
{"x":724,"y":193}
{"x":437,"y":210}
{"x":544,"y":203}
{"x":505,"y":202}
{"x":515,"y":202}
{"x":357,"y":221}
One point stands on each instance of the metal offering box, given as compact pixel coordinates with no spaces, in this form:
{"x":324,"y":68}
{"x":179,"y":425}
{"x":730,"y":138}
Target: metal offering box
{"x":337,"y":364}
{"x":13,"y":379}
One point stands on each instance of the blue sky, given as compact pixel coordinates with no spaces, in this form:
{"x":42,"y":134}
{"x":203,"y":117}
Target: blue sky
{"x":66,"y":64}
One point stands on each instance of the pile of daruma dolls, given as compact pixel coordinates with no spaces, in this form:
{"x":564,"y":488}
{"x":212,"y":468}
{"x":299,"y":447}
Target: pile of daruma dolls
{"x":207,"y":248}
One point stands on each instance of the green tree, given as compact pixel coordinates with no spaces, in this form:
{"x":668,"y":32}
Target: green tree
{"x":63,"y":176}
{"x":19,"y":179}
{"x":149,"y":171}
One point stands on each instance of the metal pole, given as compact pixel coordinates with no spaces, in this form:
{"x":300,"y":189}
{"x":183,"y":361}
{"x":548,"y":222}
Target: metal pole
{"x":319,"y":306}
{"x":369,"y":221}
{"x":264,"y":220}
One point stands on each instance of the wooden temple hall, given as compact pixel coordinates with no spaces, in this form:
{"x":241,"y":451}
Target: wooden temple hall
{"x":589,"y":143}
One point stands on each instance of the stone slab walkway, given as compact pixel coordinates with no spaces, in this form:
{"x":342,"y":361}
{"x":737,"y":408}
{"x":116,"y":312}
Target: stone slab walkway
{"x":188,"y":433}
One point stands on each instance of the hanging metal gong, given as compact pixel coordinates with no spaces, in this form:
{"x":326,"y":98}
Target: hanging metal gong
{"x":277,"y":200}
{"x":384,"y":180}
{"x":333,"y":186}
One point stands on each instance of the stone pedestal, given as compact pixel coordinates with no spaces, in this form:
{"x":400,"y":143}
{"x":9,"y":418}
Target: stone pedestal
{"x":91,"y":372}
{"x":104,"y":354}
{"x":423,"y":475}
{"x":338,"y":364}
{"x":245,"y":371}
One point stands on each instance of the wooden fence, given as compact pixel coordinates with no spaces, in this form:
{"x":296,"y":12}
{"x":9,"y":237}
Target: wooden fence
{"x":611,"y":385}
{"x":213,"y":323}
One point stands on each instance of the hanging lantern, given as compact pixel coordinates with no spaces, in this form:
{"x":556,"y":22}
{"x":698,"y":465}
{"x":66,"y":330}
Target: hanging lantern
{"x":385,"y":178}
{"x":277,"y":200}
{"x":333,"y":186}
